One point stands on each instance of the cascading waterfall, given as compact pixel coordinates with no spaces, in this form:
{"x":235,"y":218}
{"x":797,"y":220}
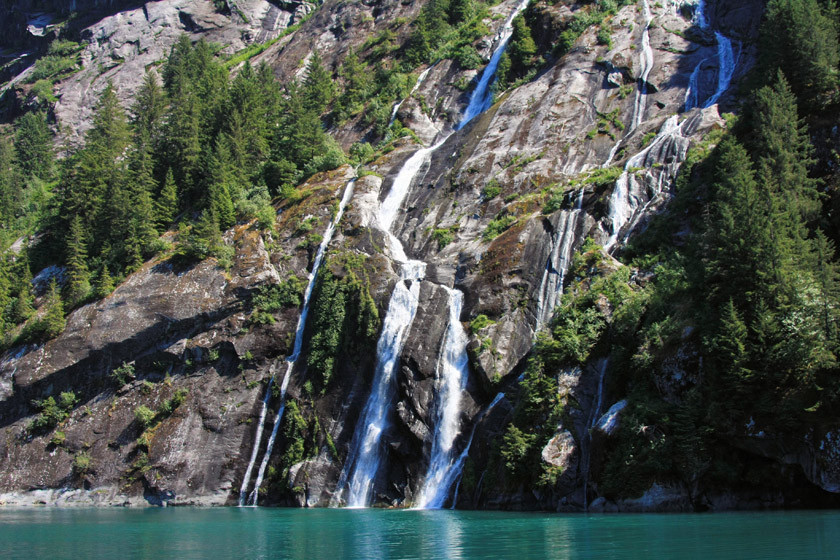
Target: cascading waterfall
{"x":363,"y":461}
{"x":452,"y":373}
{"x":301,"y":325}
{"x":640,"y":104}
{"x":627,"y":200}
{"x":646,"y":60}
{"x":727,"y":62}
{"x":560,"y":255}
{"x":482,"y":97}
{"x":417,"y":85}
{"x":365,"y":455}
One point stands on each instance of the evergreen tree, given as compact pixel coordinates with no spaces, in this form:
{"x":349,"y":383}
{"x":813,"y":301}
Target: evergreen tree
{"x":221,"y":181}
{"x":318,"y":86}
{"x":11,"y":193}
{"x":827,"y":276}
{"x":183,"y":138}
{"x":744,"y":260}
{"x":78,"y":276}
{"x":522,"y":48}
{"x":730,"y":355}
{"x":357,"y":86}
{"x":104,"y":283}
{"x":798,"y":38}
{"x":33,"y":144}
{"x":53,"y":322}
{"x":147,"y":114}
{"x":166,"y":203}
{"x":460,"y":11}
{"x":783,"y":150}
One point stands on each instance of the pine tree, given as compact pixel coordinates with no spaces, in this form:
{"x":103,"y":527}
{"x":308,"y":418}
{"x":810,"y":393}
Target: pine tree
{"x":522,"y":46}
{"x":358,"y":82}
{"x":104,"y":283}
{"x":798,"y":38}
{"x":318,"y":86}
{"x":34,"y":146}
{"x":20,"y":277}
{"x":744,"y":259}
{"x":783,"y":149}
{"x":148,"y":111}
{"x":78,"y":276}
{"x":166,"y":203}
{"x":460,"y":11}
{"x":827,"y":276}
{"x":11,"y":193}
{"x":53,"y":322}
{"x":220,"y":201}
{"x":183,"y":138}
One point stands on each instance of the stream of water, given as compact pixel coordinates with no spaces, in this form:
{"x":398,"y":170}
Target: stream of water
{"x":298,"y":344}
{"x":366,"y":451}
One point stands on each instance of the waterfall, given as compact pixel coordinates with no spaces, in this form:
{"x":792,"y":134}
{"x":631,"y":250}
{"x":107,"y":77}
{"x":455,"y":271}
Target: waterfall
{"x":366,"y":452}
{"x":452,"y":373}
{"x":646,"y":61}
{"x":727,"y":62}
{"x":594,"y":415}
{"x":481,"y":98}
{"x":298,"y":344}
{"x":559,"y":258}
{"x":365,"y":455}
{"x":627,"y":204}
{"x":640,"y":104}
{"x":417,"y":85}
{"x":462,"y":458}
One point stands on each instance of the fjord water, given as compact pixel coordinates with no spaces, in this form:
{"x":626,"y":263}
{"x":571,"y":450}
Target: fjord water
{"x":328,"y":533}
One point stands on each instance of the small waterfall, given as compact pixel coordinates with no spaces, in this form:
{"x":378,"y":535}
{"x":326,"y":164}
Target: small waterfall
{"x":727,"y":62}
{"x":482,"y":98}
{"x":557,"y":264}
{"x":627,"y":204}
{"x":452,"y":373}
{"x":363,"y":462}
{"x":301,"y":325}
{"x":646,"y":60}
{"x":417,"y":85}
{"x":458,"y":468}
{"x":593,"y":420}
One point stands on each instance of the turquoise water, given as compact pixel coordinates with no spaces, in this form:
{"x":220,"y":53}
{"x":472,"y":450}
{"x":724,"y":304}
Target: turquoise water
{"x":288,"y":533}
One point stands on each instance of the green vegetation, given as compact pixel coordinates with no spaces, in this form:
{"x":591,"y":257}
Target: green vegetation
{"x":344,"y":320}
{"x":82,"y":463}
{"x":272,"y":298}
{"x":52,"y":412}
{"x":480,"y":322}
{"x":123,"y":374}
{"x":498,"y":225}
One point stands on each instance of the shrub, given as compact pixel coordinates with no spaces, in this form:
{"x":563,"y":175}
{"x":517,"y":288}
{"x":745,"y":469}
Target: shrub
{"x":498,"y":225}
{"x":480,"y":322}
{"x":491,"y":190}
{"x":82,"y":463}
{"x":52,"y":412}
{"x":123,"y":374}
{"x":144,"y":415}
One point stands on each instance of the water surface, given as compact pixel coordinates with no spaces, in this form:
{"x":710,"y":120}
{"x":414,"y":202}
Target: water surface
{"x":250,"y":533}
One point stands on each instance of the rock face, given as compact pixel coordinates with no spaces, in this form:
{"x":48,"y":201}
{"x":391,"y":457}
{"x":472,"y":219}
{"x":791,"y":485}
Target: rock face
{"x":595,"y":108}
